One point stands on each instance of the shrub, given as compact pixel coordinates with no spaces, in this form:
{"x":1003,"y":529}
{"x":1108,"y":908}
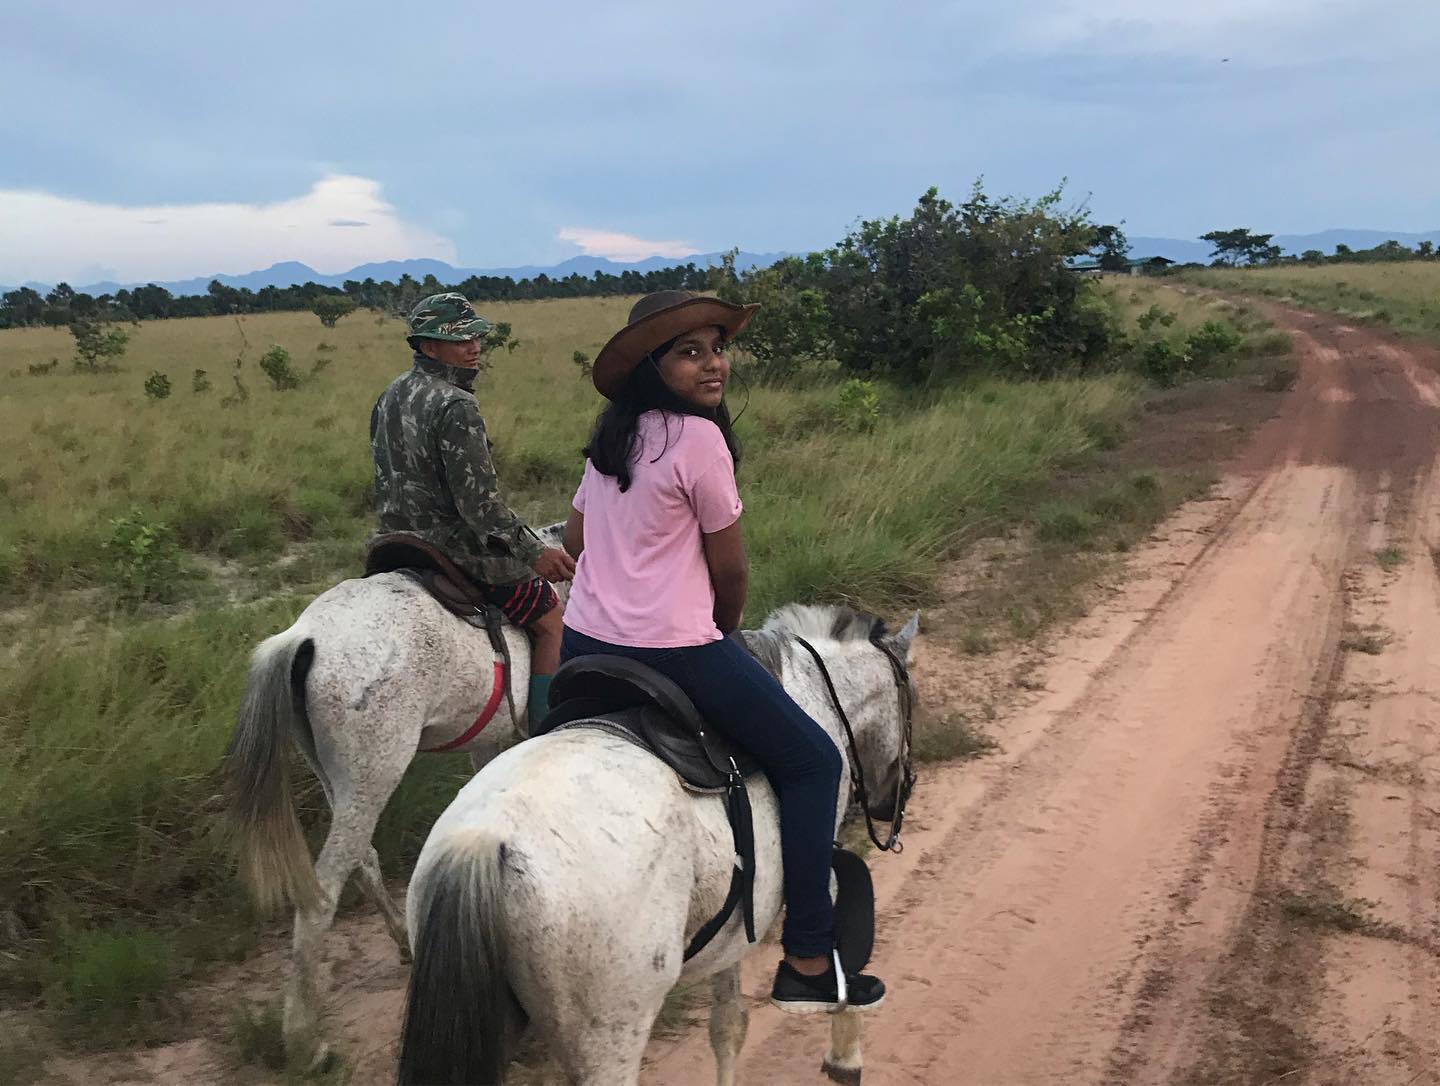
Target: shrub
{"x":143,"y":557}
{"x":857,"y":405}
{"x":157,"y":386}
{"x":1153,"y":316}
{"x":952,"y":289}
{"x":275,"y":363}
{"x":200,"y":381}
{"x":582,"y":361}
{"x":1163,"y":362}
{"x":1210,"y":342}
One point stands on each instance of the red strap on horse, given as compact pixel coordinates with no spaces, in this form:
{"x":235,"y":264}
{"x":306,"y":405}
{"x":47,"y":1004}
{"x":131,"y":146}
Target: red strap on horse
{"x":487,"y":714}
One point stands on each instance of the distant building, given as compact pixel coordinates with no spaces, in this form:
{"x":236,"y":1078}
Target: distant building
{"x":1142,"y":265}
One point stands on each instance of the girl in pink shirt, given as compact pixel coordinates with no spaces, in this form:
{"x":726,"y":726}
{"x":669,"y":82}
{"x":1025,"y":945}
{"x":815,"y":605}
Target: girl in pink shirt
{"x":661,"y":577}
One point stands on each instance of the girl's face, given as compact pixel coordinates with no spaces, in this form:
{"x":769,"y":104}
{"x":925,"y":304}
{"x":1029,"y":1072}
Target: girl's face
{"x":696,"y":369}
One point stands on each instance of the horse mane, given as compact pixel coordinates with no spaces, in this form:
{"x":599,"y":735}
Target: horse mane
{"x":816,"y":622}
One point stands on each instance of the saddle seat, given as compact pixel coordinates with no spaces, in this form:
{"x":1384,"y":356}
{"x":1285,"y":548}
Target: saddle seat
{"x":401,"y":552}
{"x":629,"y":697}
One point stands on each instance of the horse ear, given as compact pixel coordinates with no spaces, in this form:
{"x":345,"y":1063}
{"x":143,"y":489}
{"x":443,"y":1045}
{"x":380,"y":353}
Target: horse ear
{"x":904,"y":640}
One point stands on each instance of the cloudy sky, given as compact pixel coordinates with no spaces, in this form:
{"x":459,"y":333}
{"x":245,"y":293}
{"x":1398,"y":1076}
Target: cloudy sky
{"x":148,"y":140}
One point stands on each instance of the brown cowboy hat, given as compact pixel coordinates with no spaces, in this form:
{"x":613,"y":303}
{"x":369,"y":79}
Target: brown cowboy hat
{"x":657,"y":319}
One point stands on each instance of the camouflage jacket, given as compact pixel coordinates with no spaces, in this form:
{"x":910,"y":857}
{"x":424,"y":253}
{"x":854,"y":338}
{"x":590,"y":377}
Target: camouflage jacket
{"x":434,"y":476}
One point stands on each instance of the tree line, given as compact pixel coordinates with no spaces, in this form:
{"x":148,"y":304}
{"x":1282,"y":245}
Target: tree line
{"x":1239,"y":247}
{"x":26,"y":307}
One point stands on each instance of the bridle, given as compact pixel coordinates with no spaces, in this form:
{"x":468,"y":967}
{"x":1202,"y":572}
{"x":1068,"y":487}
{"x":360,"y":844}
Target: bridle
{"x":906,"y":781}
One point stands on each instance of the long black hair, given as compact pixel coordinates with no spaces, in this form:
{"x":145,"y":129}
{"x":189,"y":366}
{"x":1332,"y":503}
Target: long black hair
{"x":612,"y":443}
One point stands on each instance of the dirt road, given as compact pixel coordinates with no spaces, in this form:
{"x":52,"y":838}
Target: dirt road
{"x":1208,"y":851}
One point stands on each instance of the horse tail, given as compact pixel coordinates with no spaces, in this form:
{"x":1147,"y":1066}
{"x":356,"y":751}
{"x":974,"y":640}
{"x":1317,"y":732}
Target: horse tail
{"x":459,"y":1004}
{"x":275,"y":861}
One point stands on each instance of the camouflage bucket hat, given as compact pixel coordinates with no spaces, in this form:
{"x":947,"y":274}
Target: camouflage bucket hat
{"x":448,"y":317}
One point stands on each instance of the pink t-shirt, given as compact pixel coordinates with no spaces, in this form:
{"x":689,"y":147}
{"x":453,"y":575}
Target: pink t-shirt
{"x":642,"y":580}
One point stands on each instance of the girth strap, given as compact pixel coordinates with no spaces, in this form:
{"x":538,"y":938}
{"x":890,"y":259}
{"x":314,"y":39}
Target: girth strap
{"x":742,"y":880}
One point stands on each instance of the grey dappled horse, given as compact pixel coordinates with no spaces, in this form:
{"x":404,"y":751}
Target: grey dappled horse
{"x":562,"y":885}
{"x":371,"y":673}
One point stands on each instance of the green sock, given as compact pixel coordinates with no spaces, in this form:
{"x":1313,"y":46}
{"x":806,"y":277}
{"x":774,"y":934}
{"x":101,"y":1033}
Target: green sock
{"x":539,"y":697}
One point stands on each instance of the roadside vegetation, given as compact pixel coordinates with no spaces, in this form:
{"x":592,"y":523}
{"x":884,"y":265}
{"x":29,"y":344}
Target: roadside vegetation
{"x":1404,"y":296}
{"x":156,"y":538}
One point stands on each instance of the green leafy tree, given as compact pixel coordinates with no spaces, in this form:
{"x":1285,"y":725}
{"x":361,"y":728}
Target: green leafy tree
{"x":1312,"y":256}
{"x":1425,"y":250}
{"x":1237,"y":246}
{"x":20,"y":308}
{"x":331,"y":307}
{"x":1111,"y":248}
{"x":97,"y":345}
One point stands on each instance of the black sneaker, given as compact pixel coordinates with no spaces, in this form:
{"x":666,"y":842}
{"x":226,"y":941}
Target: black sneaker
{"x":796,"y":993}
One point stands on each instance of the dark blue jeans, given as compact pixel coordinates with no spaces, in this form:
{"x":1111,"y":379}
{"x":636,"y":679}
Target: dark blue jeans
{"x":740,"y":698}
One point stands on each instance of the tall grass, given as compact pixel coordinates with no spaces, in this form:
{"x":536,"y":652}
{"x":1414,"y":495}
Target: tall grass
{"x":1403,"y":296}
{"x":243,"y":480}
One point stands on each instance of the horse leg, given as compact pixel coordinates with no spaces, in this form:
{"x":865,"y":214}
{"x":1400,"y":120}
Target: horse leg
{"x":346,"y":847}
{"x":373,"y":884}
{"x":843,"y":1062}
{"x":728,"y":1022}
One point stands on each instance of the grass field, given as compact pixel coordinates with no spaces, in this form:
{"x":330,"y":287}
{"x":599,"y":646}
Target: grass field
{"x":1403,"y":296}
{"x":152,"y":543}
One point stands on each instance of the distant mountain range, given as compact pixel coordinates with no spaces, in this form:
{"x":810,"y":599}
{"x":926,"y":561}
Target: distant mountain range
{"x":1184,"y":251}
{"x":291,"y":272}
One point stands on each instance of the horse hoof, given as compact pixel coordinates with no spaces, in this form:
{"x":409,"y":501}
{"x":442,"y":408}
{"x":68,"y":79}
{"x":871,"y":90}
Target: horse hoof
{"x":846,"y":1076}
{"x":324,"y":1061}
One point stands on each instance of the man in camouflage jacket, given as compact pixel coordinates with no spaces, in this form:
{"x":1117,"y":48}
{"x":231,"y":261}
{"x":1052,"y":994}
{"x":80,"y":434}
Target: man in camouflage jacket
{"x":434,"y":478}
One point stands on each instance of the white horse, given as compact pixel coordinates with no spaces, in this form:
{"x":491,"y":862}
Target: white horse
{"x":371,"y":673}
{"x":562,"y":885}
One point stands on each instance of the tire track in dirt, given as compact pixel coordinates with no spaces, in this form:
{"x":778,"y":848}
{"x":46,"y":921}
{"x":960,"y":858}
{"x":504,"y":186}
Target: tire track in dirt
{"x":1070,"y":912}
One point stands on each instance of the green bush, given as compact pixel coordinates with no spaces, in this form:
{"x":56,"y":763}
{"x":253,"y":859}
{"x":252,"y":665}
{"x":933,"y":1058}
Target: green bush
{"x":200,"y":381}
{"x":981,"y":286}
{"x":1153,"y":316}
{"x":275,"y":363}
{"x":157,"y":386}
{"x":1163,"y":362}
{"x":142,"y":558}
{"x":857,"y":405}
{"x":1210,"y":342}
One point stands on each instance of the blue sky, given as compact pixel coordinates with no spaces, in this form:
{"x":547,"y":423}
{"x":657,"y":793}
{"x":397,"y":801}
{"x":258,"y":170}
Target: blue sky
{"x":149,"y":140}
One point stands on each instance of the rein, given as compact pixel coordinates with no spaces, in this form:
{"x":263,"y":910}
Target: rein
{"x":906,"y":782}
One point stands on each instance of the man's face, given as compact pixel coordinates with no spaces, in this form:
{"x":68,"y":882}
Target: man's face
{"x":465,"y":354}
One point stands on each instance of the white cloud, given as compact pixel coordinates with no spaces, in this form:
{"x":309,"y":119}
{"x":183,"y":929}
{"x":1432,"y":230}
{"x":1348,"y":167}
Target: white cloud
{"x":1188,"y":27}
{"x":622,"y":247}
{"x":342,"y":221}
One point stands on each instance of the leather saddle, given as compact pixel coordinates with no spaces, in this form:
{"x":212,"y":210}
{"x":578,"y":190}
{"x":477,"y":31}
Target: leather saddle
{"x":427,"y":564}
{"x":626,"y":695}
{"x":627,"y":698}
